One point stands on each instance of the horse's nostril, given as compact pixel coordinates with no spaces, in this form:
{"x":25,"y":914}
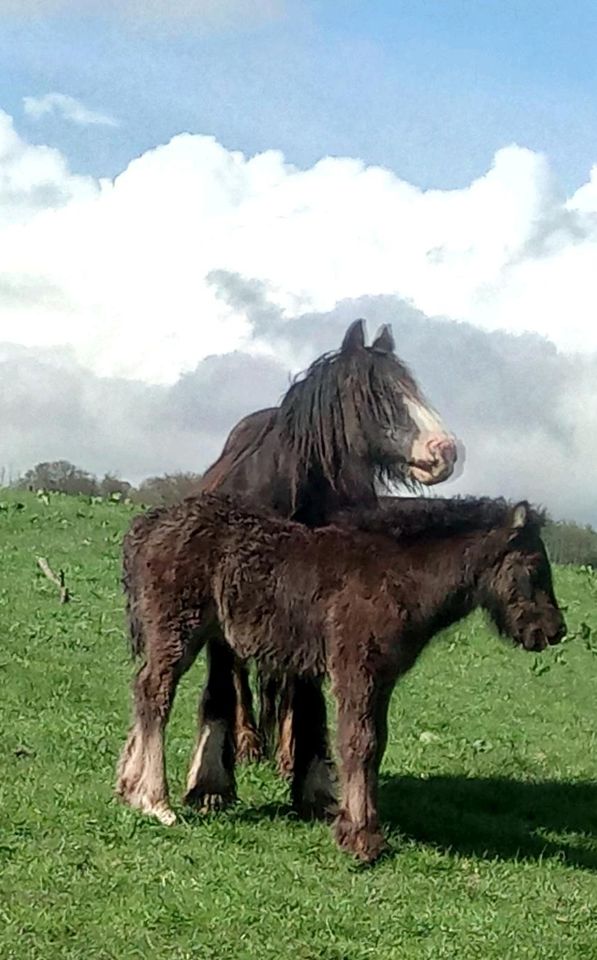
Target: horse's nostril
{"x":442,"y":447}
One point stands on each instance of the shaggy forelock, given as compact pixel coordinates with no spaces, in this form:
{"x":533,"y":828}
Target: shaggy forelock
{"x":332,"y":405}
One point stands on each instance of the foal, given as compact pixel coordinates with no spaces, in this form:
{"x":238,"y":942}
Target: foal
{"x":357,"y":602}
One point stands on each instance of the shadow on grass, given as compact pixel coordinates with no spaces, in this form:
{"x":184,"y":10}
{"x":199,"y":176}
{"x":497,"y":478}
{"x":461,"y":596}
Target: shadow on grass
{"x":493,"y":817}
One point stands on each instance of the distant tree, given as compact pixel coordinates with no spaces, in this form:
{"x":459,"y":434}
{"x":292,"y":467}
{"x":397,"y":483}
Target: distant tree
{"x":112,"y":485}
{"x":570,"y":543}
{"x":59,"y":476}
{"x":168,"y":489}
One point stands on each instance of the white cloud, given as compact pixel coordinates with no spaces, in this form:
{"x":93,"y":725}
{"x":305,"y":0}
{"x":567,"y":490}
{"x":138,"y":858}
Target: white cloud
{"x":66,"y":107}
{"x":197,"y":250}
{"x":128,"y":262}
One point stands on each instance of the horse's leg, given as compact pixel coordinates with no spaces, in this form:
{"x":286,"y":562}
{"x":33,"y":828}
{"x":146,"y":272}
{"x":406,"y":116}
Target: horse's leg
{"x":248,"y":740}
{"x":314,"y":779}
{"x":361,"y":714}
{"x":142,"y":779}
{"x":269,"y":692}
{"x":211,"y":783}
{"x":284,"y":695}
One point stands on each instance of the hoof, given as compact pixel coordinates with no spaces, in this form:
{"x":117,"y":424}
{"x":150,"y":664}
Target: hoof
{"x":164,"y":814}
{"x":205,"y":802}
{"x":139,"y":801}
{"x":249,"y":747}
{"x":367,"y":845}
{"x":285,"y":764}
{"x":316,"y":798}
{"x":318,"y":808}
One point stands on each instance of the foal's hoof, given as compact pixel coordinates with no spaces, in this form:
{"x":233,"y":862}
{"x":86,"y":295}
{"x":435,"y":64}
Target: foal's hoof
{"x":366,"y":845}
{"x":164,"y":814}
{"x":205,"y":802}
{"x":138,"y":801}
{"x":249,"y":748}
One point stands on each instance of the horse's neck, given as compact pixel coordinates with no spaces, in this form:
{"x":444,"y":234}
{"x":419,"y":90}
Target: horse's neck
{"x":452,"y":593}
{"x":318,"y":499}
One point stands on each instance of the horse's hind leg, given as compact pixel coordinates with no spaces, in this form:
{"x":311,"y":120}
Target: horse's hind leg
{"x":211,"y":782}
{"x":314,"y":792}
{"x":142,"y":779}
{"x":285,"y":696}
{"x":269,"y":688}
{"x":248,"y":741}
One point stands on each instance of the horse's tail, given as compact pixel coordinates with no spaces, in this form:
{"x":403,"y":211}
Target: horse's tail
{"x":130,"y":548}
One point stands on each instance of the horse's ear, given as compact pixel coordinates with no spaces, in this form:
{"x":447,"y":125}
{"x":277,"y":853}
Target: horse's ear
{"x":520,"y":516}
{"x":384,"y":340}
{"x":354,"y":337}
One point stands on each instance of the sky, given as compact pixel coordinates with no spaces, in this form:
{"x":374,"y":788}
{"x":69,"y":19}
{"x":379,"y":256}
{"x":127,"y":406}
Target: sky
{"x":197,"y":195}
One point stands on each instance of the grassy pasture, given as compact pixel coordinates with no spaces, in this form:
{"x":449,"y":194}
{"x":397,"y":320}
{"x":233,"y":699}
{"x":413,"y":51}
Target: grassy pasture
{"x":489,"y":792}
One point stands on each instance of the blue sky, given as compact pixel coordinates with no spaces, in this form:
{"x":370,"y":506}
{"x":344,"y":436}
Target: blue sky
{"x":429,"y":88}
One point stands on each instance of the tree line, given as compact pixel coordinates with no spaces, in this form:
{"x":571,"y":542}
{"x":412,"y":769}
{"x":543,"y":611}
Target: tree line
{"x":566,"y":542}
{"x":61,"y":476}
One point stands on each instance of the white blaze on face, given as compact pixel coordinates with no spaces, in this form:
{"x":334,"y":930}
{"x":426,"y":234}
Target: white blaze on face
{"x":427,"y":421}
{"x":433,"y":452}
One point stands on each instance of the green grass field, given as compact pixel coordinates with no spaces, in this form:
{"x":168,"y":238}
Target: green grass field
{"x":489,"y":792}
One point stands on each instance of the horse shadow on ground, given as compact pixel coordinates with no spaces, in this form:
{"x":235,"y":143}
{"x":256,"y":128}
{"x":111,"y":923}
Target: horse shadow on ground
{"x":491,"y":818}
{"x":495,"y":817}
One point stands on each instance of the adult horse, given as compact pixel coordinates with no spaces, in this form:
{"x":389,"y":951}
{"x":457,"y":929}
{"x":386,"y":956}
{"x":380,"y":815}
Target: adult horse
{"x":355,"y":417}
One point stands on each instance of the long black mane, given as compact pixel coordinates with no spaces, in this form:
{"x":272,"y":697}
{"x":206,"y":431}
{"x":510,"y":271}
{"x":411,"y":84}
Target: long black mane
{"x":329,"y":407}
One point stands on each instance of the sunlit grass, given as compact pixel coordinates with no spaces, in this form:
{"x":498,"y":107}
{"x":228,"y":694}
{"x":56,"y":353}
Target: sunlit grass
{"x":489,"y":795}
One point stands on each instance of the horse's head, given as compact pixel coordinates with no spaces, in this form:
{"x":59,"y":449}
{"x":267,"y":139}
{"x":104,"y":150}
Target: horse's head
{"x":518,"y":590}
{"x":403,"y":434}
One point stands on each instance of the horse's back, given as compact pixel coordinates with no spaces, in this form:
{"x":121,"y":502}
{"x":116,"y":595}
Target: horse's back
{"x":230,"y":473}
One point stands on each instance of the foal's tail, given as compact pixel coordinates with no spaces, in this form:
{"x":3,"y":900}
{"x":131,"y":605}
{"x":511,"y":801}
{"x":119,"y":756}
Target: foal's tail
{"x":130,"y":546}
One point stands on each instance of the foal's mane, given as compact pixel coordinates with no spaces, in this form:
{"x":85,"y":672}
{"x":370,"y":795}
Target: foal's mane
{"x":410,"y":518}
{"x":340,"y":393}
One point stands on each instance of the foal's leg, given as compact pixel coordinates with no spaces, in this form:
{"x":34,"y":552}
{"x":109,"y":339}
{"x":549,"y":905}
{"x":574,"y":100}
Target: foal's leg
{"x":248,"y":741}
{"x":142,"y":779}
{"x":211,"y":782}
{"x":357,"y":827}
{"x":314,"y":792}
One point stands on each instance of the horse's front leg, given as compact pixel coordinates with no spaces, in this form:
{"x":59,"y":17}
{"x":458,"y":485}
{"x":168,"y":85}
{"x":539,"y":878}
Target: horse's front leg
{"x":249,"y":747}
{"x":314,"y":788}
{"x":211,"y":783}
{"x":360,"y":720}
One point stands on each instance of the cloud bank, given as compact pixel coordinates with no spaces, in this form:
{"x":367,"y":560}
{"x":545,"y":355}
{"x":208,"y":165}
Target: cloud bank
{"x":143,"y":316}
{"x":526,"y":413}
{"x":126,"y":264}
{"x":69,"y":108}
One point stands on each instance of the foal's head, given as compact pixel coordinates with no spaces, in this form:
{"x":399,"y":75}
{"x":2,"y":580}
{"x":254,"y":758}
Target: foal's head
{"x":361,"y":406}
{"x":517,"y":588}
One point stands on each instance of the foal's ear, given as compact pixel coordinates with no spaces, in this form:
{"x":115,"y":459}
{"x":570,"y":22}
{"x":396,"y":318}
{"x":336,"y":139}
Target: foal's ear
{"x":383,"y":340}
{"x":520,"y":516}
{"x":354,"y":337}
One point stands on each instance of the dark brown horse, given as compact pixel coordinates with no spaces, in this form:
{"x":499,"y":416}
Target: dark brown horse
{"x":358,"y":602}
{"x":356,"y":416}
